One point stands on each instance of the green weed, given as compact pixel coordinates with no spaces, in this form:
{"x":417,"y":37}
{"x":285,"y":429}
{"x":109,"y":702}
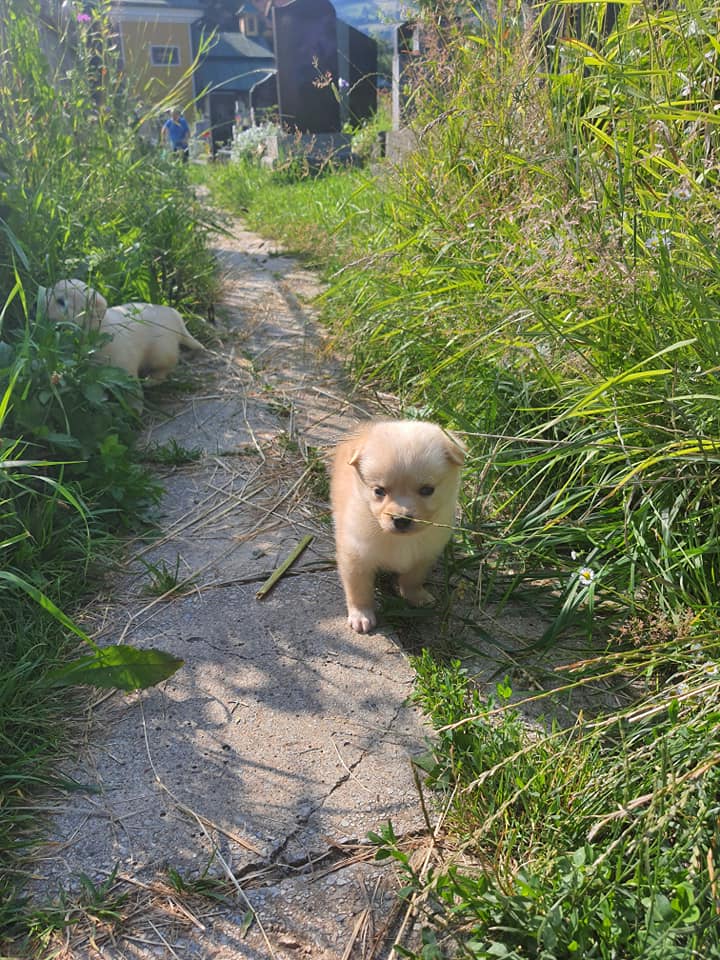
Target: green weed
{"x":206,"y":885}
{"x":164,"y":579}
{"x":98,"y":902}
{"x":171,"y":454}
{"x":317,"y":480}
{"x":213,"y":888}
{"x":287,"y":442}
{"x":279,"y":406}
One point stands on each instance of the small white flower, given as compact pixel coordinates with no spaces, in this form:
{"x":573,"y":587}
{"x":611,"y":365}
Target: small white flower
{"x":682,"y":688}
{"x":682,"y":192}
{"x":586,"y":576}
{"x":711,"y":669}
{"x":573,"y":555}
{"x":659,"y":238}
{"x":343,"y":84}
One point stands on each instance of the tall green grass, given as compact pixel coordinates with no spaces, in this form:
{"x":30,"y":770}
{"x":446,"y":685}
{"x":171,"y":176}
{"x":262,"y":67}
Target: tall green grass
{"x":320,"y":218}
{"x":551,"y":289}
{"x":81,"y":194}
{"x":597,"y":841}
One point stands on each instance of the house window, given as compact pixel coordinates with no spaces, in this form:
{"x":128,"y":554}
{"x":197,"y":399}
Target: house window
{"x":165,"y":56}
{"x":409,"y":38}
{"x":250,"y":24}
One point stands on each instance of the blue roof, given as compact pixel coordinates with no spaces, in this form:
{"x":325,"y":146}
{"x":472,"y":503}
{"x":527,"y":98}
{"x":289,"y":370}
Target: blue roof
{"x":238,"y":45}
{"x":163,"y":4}
{"x":233,"y":63}
{"x":229,"y":77}
{"x":250,"y":7}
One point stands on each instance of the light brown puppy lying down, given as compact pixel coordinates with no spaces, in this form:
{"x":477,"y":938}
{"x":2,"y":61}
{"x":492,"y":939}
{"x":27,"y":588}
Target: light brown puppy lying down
{"x":146,"y":339}
{"x":393,"y":491}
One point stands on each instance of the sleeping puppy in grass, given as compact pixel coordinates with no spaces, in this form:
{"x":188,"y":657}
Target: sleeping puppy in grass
{"x":393,"y":492}
{"x":145,"y":339}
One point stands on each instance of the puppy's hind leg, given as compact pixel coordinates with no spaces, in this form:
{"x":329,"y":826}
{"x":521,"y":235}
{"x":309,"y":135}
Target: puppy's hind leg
{"x":359,"y":585}
{"x":155,"y":376}
{"x":160,"y":363}
{"x":410,"y":585}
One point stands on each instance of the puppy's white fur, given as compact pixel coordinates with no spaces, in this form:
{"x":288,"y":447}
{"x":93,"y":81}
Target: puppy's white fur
{"x":145,"y":338}
{"x":393,"y":492}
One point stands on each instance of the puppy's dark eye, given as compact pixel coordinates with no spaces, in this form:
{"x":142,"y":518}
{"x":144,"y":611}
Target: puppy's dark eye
{"x":61,"y":302}
{"x":379,"y":492}
{"x":426,"y":491}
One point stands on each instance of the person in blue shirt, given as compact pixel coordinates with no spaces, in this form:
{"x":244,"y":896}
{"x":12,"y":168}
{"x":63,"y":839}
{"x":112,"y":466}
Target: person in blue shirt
{"x":176,"y":132}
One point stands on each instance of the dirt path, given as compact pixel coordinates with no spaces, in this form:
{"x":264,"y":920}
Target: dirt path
{"x":258,"y":769}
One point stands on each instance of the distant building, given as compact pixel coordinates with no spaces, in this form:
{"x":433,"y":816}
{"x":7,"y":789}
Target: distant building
{"x":255,"y":22}
{"x":294,"y":57}
{"x":156,"y":47}
{"x":225,"y":75}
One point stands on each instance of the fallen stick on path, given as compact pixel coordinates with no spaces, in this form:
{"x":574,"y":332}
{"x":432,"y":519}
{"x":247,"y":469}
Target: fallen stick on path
{"x":284,"y":567}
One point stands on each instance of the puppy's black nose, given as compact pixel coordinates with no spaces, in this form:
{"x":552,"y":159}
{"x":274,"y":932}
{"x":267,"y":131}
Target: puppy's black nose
{"x":402,"y":523}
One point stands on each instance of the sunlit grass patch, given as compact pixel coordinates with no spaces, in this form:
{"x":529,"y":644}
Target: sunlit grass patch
{"x":323,"y":219}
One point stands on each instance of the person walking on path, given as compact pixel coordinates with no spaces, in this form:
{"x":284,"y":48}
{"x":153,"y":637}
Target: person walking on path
{"x":176,"y":132}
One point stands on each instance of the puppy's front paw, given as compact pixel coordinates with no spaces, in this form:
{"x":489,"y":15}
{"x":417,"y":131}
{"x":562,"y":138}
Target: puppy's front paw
{"x":416,"y":596}
{"x":362,"y":621}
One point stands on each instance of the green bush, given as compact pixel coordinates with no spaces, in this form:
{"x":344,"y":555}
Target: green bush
{"x":83,"y":195}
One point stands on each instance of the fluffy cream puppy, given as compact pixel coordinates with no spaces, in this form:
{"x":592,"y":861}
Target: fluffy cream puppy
{"x":393,"y":492}
{"x":145,"y":338}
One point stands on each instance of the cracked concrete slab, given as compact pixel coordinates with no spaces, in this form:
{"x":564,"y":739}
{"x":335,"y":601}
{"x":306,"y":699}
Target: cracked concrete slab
{"x":262,"y":764}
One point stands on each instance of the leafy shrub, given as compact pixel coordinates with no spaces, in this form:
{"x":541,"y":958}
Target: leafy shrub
{"x":250,"y":144}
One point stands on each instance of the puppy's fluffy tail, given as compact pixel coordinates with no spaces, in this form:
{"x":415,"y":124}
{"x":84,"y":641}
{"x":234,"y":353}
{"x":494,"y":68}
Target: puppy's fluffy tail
{"x":189,"y":342}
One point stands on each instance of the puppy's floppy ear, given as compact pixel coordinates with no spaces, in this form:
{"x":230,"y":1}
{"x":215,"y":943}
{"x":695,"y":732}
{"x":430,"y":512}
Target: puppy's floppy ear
{"x":95,"y":308}
{"x":355,"y":457}
{"x":455,"y":449}
{"x":355,"y":444}
{"x":99,"y":306}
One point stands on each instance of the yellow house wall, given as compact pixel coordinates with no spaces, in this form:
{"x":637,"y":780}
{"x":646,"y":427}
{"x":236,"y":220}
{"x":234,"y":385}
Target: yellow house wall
{"x":153,"y":84}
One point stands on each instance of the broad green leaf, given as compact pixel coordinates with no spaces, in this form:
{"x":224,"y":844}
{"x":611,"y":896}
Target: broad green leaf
{"x":119,"y":667}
